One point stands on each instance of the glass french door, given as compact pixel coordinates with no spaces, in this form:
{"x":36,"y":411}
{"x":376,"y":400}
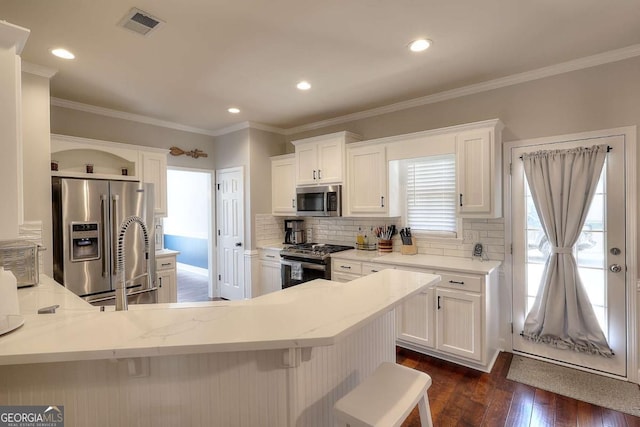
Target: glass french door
{"x":600,"y":255}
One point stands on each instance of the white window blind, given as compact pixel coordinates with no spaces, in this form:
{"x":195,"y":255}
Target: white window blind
{"x":431,"y":194}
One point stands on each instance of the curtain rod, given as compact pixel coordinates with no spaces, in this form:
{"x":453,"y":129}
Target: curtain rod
{"x":609,"y":148}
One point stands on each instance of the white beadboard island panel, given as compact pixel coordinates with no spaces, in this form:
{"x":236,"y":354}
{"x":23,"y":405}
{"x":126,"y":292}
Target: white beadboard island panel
{"x":319,"y":340}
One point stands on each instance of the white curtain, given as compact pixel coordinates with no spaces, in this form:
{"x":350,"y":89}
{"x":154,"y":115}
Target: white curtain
{"x":562,"y":184}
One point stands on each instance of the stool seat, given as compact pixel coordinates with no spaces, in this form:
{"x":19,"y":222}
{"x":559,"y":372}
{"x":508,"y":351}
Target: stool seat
{"x":386,"y":398}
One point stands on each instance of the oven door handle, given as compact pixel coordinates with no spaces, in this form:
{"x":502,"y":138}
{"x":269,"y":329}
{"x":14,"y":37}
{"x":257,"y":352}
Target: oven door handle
{"x":308,"y":265}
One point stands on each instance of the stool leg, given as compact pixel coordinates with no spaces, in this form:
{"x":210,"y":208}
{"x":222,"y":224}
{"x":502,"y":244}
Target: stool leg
{"x":425,"y":411}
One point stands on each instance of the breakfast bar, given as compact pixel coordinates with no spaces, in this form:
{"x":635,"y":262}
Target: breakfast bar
{"x":276,"y":360}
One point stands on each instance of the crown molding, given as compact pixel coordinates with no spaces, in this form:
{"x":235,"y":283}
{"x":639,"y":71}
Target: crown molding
{"x":38,"y":70}
{"x":540,"y":73}
{"x":248,"y":125}
{"x":73,"y":105}
{"x":13,"y":36}
{"x":64,"y":103}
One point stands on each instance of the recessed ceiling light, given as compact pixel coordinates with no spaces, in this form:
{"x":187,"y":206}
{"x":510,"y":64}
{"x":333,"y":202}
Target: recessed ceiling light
{"x":62,"y":53}
{"x":303,"y":85}
{"x":233,"y":110}
{"x":419,"y":45}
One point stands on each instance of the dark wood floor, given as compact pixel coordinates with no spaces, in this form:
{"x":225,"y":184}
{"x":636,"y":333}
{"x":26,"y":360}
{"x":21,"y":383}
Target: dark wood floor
{"x":461,"y":396}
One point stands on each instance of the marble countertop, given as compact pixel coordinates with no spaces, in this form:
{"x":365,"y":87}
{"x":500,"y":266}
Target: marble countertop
{"x":275,"y":246}
{"x":166,"y":252}
{"x":316,"y":313}
{"x":461,"y":265}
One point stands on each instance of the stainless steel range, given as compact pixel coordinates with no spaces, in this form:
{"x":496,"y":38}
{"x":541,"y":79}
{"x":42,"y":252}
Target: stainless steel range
{"x":308,"y":261}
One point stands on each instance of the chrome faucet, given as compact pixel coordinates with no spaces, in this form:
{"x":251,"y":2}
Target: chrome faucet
{"x":121,"y":288}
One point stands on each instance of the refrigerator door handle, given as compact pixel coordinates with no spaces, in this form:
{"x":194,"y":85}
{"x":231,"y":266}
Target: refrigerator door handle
{"x":114,"y":227}
{"x":104,"y":200}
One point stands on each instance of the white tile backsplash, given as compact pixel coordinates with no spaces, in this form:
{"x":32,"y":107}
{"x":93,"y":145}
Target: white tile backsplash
{"x":344,"y":230}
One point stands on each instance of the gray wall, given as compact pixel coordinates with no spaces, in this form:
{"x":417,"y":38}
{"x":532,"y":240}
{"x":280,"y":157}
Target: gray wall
{"x":594,"y":98}
{"x":66,"y":121}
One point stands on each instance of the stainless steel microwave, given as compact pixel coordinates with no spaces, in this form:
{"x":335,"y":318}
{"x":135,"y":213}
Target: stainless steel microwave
{"x":319,"y":201}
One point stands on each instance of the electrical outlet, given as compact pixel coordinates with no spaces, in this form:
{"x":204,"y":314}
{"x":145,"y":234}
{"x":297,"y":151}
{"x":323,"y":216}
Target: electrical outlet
{"x":470,"y":236}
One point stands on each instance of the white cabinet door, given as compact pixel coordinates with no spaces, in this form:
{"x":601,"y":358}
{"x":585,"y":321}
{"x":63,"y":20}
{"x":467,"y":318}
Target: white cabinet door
{"x":269,"y":277}
{"x":475,"y":173}
{"x":459,"y":320}
{"x":167,"y":289}
{"x":415,"y":320}
{"x":330,"y":161}
{"x":154,"y":171}
{"x":283,"y":186}
{"x":306,"y":164}
{"x":367,"y":181}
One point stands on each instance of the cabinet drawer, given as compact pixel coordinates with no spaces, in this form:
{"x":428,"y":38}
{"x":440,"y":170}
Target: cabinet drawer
{"x":270,"y":255}
{"x":345,"y":266}
{"x":337,"y":276}
{"x":166,"y":263}
{"x":461,"y":282}
{"x":372,"y":267}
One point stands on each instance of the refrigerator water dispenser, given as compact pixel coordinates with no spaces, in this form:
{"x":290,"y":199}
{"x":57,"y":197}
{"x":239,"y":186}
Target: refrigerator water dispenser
{"x":85,"y":241}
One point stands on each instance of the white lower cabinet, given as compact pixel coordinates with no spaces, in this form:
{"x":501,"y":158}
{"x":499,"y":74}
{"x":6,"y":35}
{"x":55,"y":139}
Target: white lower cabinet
{"x":166,"y":278}
{"x":459,"y":320}
{"x":455,"y":321}
{"x":270,"y":277}
{"x":415,"y":320}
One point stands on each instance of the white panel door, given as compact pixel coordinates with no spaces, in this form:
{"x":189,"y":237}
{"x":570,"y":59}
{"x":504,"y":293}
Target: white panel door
{"x":230,"y":220}
{"x":601,"y":245}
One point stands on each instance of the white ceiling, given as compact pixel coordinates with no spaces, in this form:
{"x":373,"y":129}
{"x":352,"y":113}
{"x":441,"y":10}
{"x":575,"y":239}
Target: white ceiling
{"x":213,"y":54}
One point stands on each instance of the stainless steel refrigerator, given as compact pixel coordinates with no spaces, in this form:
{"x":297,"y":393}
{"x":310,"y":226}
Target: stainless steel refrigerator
{"x":87,"y":217}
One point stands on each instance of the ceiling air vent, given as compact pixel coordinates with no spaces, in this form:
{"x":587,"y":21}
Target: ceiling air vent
{"x":140,"y":22}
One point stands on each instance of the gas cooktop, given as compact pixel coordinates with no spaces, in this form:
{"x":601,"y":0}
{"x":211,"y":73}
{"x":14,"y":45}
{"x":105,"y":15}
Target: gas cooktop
{"x":312,"y":250}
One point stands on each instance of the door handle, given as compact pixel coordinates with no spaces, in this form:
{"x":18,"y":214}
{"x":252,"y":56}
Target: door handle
{"x":238,"y":243}
{"x":105,"y":251}
{"x":615,"y":268}
{"x":114,"y":229}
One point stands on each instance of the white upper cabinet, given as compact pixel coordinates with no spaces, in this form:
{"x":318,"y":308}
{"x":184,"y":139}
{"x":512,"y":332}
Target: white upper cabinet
{"x":366,"y":187}
{"x":283,"y":185}
{"x":154,"y":171}
{"x":320,"y":160}
{"x":478,"y":174}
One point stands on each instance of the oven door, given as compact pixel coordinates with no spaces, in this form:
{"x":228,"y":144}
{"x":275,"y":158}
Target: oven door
{"x":293,"y":275}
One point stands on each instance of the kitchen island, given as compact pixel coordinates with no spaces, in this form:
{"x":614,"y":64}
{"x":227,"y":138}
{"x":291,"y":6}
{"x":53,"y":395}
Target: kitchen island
{"x":277,"y":360}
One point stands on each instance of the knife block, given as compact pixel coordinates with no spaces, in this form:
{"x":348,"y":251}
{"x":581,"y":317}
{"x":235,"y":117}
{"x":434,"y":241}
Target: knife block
{"x":411,"y":249}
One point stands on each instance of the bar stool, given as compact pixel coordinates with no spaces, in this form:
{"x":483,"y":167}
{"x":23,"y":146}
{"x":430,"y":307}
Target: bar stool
{"x":386,"y":398}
